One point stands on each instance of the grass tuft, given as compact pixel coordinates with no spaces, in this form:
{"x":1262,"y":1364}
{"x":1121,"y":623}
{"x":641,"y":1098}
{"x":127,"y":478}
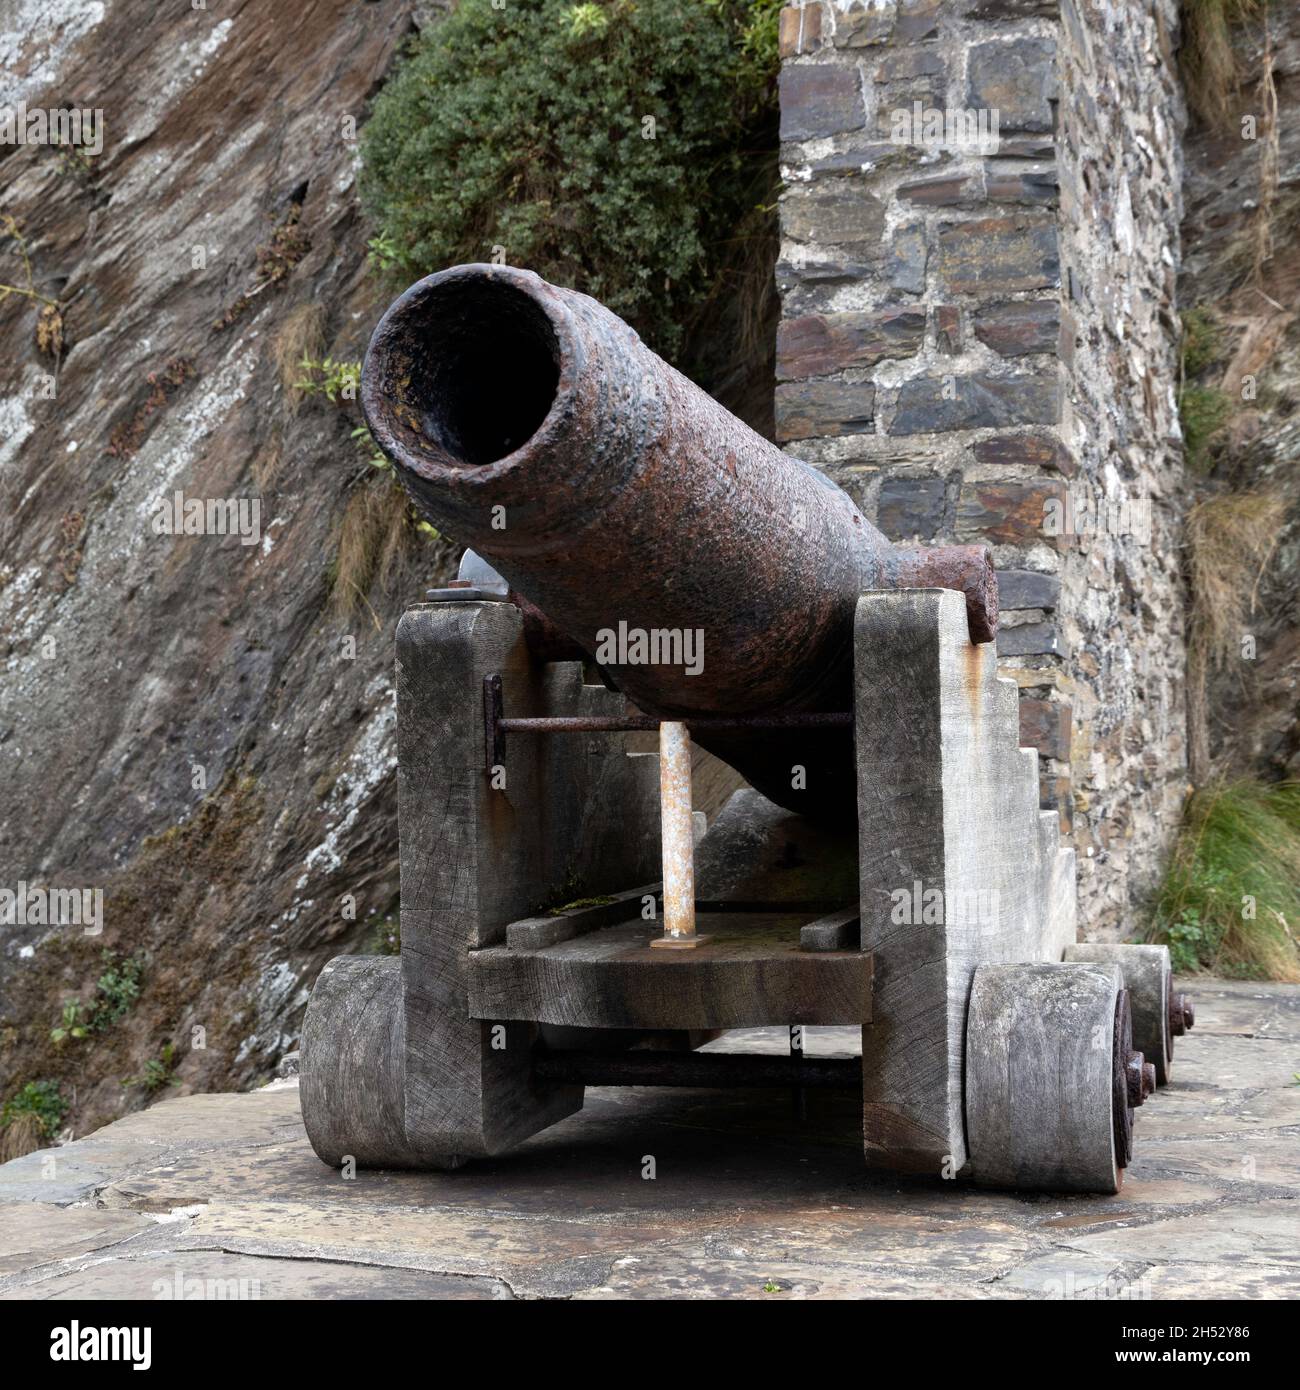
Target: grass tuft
{"x":22,"y":1135}
{"x":30,"y":1119}
{"x":372,"y":542}
{"x":1230,"y":539}
{"x":1203,"y":411}
{"x":1232,"y":889}
{"x":302,"y":335}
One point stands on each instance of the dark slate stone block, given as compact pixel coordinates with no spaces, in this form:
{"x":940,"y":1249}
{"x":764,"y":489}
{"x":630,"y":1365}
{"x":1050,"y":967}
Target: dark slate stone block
{"x":1045,"y":725}
{"x":906,"y":258}
{"x":820,"y":344}
{"x":819,"y":99}
{"x":862,"y":25}
{"x":1006,"y":513}
{"x":930,"y":404}
{"x":1016,"y":79}
{"x":917,"y":19}
{"x":1034,"y":190}
{"x":949,"y":190}
{"x":911,"y":507}
{"x":947,"y":329}
{"x":1039,"y":449}
{"x":1027,"y":589}
{"x":1019,"y":327}
{"x":817,"y":409}
{"x":999,"y":255}
{"x":1030,"y":639}
{"x":836,"y":212}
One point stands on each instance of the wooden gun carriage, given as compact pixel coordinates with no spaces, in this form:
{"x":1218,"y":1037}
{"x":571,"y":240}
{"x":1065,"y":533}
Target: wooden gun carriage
{"x":888,"y":866}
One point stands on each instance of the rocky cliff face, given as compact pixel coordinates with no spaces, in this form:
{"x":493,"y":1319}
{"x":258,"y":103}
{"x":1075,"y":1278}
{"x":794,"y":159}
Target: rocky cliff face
{"x":190,"y":722}
{"x":1241,"y":267}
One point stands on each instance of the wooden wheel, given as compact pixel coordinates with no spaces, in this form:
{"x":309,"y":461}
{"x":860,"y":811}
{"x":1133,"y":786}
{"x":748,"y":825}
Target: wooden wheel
{"x":1148,"y":977}
{"x":1050,"y":1077}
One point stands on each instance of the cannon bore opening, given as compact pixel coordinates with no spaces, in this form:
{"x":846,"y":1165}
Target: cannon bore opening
{"x":485,"y":366}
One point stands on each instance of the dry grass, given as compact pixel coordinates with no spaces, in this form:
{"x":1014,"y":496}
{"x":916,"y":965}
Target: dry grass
{"x":1230,"y":539}
{"x":266,"y":466}
{"x":22,"y":1135}
{"x":301,"y":335}
{"x":1211,"y":73}
{"x":373,"y":543}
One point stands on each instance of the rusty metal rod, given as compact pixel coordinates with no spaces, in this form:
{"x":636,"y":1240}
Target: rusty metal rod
{"x":677,"y":837}
{"x":706,"y":1069}
{"x":645,"y":723}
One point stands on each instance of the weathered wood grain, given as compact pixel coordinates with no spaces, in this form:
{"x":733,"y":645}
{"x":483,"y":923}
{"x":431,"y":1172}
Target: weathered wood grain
{"x":352,"y":1069}
{"x":838,"y":931}
{"x":576,"y":817}
{"x":751,"y":971}
{"x":534,"y":933}
{"x":947,"y":804}
{"x":1039,"y":1077}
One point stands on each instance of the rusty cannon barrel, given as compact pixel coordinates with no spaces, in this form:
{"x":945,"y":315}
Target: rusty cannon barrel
{"x":708,"y":572}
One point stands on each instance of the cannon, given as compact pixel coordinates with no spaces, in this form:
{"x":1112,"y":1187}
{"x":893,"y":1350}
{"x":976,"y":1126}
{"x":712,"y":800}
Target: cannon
{"x":612,"y":493}
{"x":652,"y":586}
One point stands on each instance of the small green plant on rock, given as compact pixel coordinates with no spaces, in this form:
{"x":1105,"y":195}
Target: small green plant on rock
{"x":43,"y":1101}
{"x":73,"y":1022}
{"x":156,"y":1072}
{"x":335,"y":381}
{"x":373,"y":454}
{"x":381,"y":253}
{"x":116,"y":990}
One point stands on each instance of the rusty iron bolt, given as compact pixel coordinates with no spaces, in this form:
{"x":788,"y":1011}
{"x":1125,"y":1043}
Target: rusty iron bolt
{"x":1182,"y":1016}
{"x":1141,"y":1079}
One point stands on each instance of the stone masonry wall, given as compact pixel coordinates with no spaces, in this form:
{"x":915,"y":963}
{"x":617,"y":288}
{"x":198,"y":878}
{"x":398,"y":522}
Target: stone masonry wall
{"x":980,"y":345}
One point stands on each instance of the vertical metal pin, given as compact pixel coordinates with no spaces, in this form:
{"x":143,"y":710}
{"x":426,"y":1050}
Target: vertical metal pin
{"x":678,"y":839}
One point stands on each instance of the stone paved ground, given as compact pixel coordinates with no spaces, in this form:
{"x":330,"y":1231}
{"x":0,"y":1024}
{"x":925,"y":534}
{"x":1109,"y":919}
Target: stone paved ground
{"x":222,"y":1187}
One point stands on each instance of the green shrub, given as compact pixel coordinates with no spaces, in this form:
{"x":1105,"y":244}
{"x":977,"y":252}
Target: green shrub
{"x":608,"y":146}
{"x":1232,"y":889}
{"x":1202,"y":410}
{"x":334,"y":380}
{"x":41,"y":1099}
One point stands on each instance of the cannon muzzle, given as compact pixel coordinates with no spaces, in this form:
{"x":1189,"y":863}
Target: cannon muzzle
{"x":704,"y":569}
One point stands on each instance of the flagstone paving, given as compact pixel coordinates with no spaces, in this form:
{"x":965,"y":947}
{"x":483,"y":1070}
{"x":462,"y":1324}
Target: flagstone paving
{"x":221,"y":1196}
